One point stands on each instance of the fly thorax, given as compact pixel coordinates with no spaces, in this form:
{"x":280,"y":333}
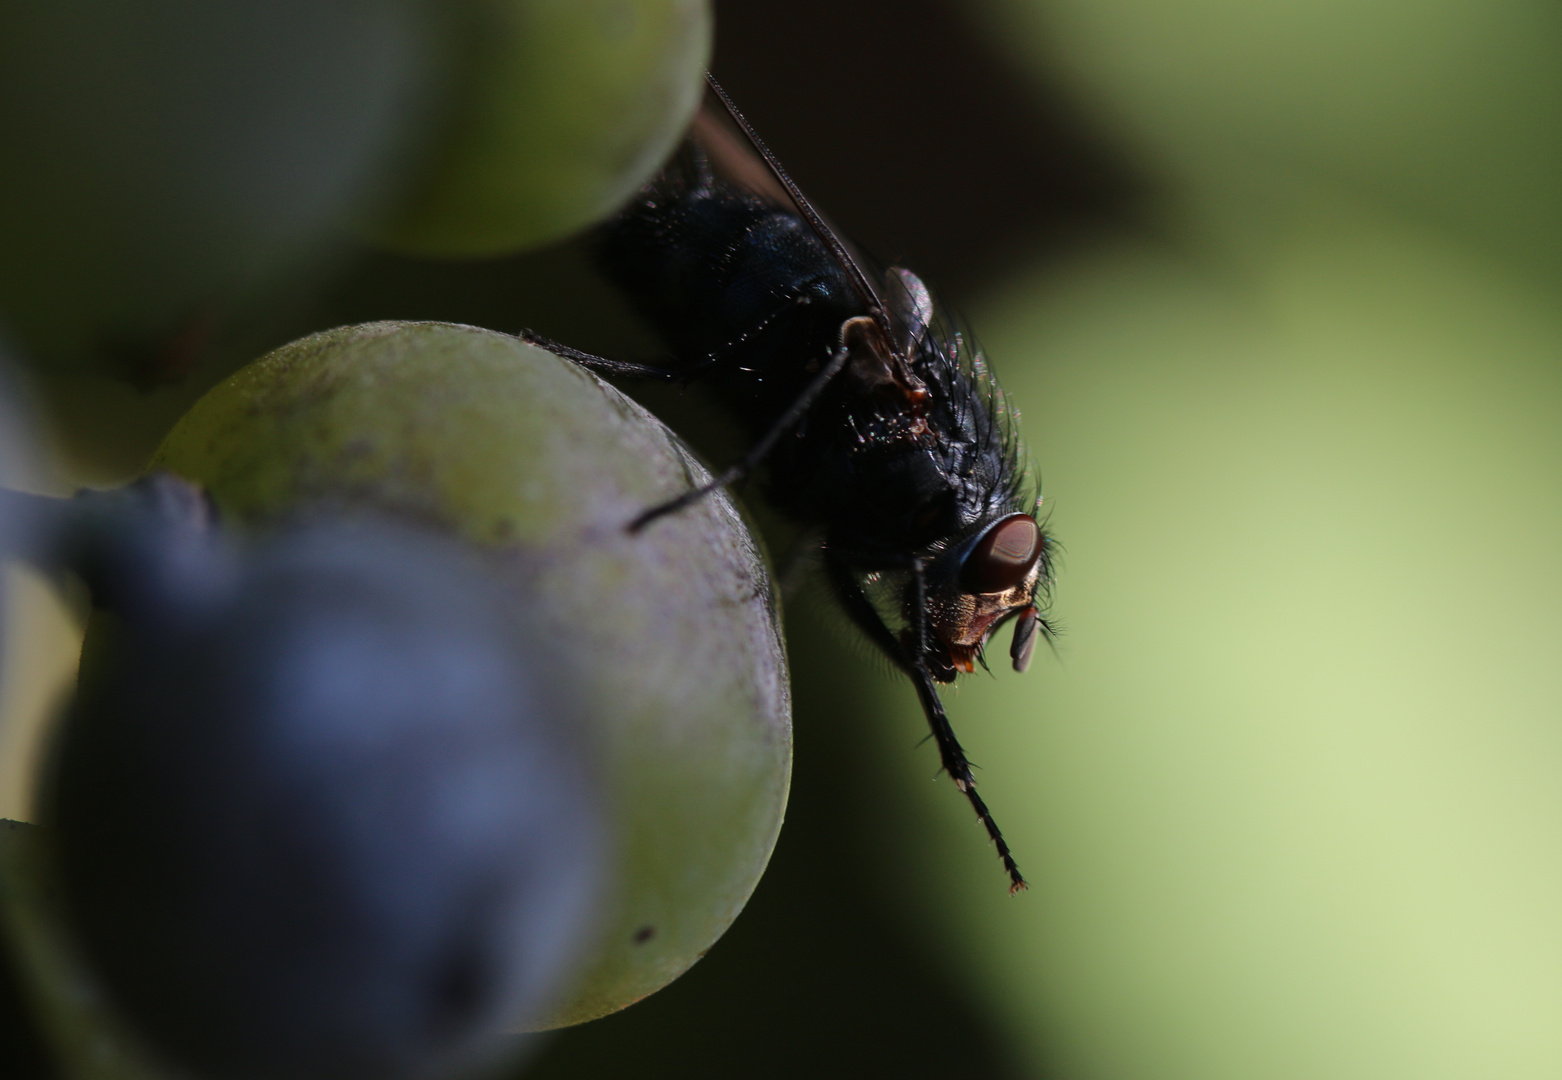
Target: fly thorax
{"x":881,"y":370}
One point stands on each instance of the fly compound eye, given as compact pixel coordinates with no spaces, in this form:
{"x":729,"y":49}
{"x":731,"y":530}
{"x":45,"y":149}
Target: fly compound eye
{"x":1003,"y":557}
{"x":1024,"y":637}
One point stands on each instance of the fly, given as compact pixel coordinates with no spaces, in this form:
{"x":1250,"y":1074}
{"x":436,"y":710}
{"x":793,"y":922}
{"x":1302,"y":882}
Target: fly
{"x":877,"y":419}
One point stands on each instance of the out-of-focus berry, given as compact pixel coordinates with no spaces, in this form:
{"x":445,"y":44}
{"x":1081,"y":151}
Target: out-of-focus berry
{"x":316,"y":815}
{"x":568,"y":106}
{"x":166,"y":157}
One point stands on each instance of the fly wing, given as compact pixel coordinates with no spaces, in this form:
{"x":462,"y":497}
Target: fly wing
{"x":727,"y":139}
{"x":897,"y":300}
{"x":732,"y":160}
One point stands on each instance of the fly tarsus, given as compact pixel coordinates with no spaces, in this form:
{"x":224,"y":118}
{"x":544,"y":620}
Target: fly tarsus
{"x":1017,"y":882}
{"x":688,"y":498}
{"x":952,"y":755}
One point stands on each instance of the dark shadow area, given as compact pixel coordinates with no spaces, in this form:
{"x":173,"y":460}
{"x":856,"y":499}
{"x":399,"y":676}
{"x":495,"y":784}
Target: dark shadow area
{"x":920,"y":141}
{"x":22,"y":1052}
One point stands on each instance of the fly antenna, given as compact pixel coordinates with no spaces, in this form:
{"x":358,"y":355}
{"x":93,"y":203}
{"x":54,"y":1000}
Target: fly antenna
{"x":847,"y":261}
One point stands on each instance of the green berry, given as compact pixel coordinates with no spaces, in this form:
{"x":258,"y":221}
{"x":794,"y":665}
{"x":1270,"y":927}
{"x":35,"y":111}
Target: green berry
{"x":670,"y":635}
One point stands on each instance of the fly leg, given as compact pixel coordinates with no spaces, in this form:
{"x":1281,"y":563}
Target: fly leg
{"x":950,"y":753}
{"x":626,"y":369}
{"x":959,"y":769}
{"x":745,"y":465}
{"x":601,"y":365}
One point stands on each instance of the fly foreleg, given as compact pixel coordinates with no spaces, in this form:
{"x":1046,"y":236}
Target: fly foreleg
{"x":951,"y":754}
{"x":959,"y":769}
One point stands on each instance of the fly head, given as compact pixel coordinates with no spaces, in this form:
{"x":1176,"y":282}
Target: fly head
{"x":998,"y":574}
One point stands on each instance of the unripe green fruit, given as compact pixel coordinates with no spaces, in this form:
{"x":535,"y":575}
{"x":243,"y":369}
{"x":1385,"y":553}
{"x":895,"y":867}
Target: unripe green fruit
{"x":672,"y":633}
{"x":569,"y":105}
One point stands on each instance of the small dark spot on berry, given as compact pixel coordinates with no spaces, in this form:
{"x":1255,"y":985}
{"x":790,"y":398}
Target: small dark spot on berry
{"x":644,"y":934}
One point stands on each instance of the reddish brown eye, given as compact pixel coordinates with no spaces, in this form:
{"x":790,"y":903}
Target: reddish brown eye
{"x":1003,"y":557}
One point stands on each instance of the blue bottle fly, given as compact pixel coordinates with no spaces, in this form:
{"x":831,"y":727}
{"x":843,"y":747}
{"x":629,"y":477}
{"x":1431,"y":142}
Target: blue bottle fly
{"x":876,"y":421}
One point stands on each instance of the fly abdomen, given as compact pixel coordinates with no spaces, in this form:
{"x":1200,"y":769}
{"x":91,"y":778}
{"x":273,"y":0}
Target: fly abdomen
{"x":742,"y":291}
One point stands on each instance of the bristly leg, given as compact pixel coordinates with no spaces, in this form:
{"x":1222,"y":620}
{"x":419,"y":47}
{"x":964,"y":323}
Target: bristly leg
{"x":959,"y":770}
{"x":746,"y":464}
{"x":950,"y":753}
{"x":739,"y":469}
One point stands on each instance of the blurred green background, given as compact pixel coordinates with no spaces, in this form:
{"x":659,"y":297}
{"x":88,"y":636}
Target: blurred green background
{"x":1274,"y":284}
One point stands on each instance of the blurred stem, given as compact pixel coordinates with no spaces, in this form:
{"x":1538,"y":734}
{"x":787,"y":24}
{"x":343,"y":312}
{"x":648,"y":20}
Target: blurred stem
{"x":147,"y":550}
